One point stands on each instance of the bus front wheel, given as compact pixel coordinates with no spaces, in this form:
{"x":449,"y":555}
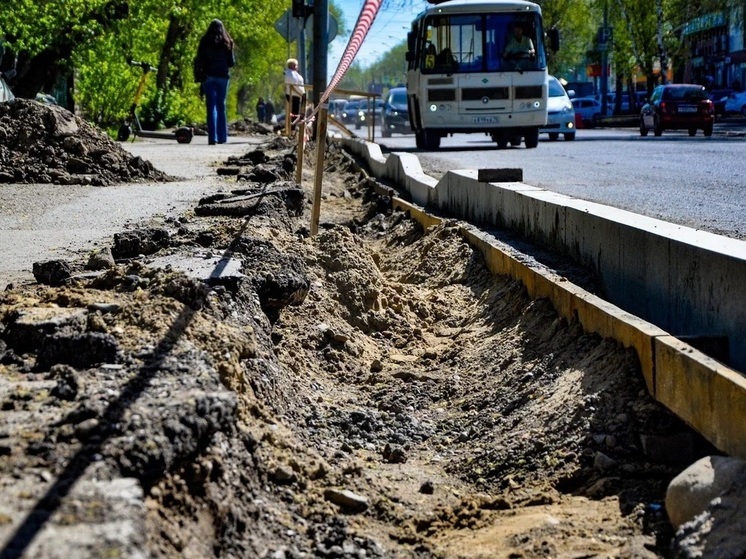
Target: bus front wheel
{"x":531,"y":139}
{"x":430,"y":140}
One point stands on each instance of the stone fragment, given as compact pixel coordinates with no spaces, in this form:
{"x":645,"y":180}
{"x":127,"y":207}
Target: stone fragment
{"x":32,"y":325}
{"x":427,"y":488}
{"x":690,"y":493}
{"x":347,"y":500}
{"x":603,"y":462}
{"x":52,"y":272}
{"x":394,"y":454}
{"x":101,"y":259}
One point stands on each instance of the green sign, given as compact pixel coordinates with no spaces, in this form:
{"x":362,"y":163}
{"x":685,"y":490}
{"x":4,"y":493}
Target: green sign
{"x":705,"y":22}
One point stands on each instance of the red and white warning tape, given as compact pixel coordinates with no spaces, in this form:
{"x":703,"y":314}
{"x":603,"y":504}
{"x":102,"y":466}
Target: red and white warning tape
{"x":362,"y":26}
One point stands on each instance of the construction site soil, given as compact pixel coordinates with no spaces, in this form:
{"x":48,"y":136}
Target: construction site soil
{"x":227,"y":385}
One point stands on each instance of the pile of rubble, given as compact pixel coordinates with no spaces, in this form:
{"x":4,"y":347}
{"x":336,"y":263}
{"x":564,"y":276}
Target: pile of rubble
{"x":48,"y":144}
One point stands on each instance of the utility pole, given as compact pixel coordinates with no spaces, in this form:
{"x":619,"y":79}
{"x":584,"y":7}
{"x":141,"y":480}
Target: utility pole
{"x":320,"y":46}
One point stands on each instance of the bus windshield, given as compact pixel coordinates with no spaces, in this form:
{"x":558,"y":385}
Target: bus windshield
{"x":497,"y":42}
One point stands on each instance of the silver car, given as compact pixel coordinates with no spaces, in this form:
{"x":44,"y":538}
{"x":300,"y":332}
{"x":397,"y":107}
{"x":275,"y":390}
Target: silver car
{"x":561,"y":117}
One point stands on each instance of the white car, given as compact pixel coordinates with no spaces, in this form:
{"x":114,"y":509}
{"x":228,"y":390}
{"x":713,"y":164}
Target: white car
{"x":589,"y":110}
{"x":5,"y":93}
{"x":561,"y":117}
{"x":736,"y":103}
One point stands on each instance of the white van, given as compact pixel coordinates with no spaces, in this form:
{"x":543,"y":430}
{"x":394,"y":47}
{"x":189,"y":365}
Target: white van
{"x":561,"y":116}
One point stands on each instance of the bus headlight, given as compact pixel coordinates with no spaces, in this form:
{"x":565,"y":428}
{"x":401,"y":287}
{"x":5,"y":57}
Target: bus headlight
{"x":433,"y":108}
{"x":537,"y":104}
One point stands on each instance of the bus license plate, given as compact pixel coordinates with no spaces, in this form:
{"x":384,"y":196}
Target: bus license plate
{"x":484,"y":120}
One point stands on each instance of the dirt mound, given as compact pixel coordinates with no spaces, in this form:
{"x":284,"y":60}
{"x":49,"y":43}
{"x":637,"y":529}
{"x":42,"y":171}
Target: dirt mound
{"x":48,"y":144}
{"x":249,"y":127}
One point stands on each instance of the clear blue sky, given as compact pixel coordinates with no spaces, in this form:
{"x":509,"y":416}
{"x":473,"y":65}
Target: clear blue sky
{"x":389,"y":29}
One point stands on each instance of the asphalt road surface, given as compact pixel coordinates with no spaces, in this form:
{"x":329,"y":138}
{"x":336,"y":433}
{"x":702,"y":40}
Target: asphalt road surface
{"x":697,"y":182}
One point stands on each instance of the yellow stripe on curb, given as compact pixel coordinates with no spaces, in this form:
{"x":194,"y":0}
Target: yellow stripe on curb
{"x":705,"y":393}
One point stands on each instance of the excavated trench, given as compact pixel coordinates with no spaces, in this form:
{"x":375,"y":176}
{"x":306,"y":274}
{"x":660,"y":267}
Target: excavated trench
{"x":246,"y":390}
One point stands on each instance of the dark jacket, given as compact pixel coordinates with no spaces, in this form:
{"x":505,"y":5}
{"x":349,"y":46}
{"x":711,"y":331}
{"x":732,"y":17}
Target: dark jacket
{"x":215,"y":60}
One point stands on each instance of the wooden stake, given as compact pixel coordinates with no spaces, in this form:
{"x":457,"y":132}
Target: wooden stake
{"x":301,"y":143}
{"x":319,"y":175}
{"x":288,"y":116}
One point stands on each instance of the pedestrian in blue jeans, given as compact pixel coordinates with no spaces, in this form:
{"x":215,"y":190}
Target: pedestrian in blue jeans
{"x":214,"y":58}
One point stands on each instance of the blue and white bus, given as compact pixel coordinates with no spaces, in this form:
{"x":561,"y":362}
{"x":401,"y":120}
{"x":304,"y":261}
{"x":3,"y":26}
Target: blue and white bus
{"x":478,"y":66}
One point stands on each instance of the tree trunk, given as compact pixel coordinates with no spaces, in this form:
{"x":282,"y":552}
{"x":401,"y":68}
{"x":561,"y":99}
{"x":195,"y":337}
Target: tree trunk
{"x":662,"y":54}
{"x":41,"y":71}
{"x":178,"y":31}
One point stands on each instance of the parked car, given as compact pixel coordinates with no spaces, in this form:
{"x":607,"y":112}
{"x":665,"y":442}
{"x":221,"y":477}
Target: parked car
{"x":718,"y":98}
{"x":589,"y":110}
{"x":736,"y":103}
{"x":678,"y":106}
{"x":624,"y":105}
{"x":363,"y":112}
{"x":395,"y":117}
{"x":609,"y":102}
{"x":561,"y":116}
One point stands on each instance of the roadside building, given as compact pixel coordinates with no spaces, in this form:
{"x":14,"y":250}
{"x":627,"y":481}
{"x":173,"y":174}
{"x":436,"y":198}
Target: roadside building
{"x":714,"y":50}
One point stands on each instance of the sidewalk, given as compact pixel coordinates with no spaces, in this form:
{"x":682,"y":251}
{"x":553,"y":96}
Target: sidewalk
{"x":47,"y":221}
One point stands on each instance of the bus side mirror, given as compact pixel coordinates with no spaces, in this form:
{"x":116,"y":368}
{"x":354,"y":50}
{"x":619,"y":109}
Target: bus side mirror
{"x":408,"y":56}
{"x":410,"y":41}
{"x":554,"y":39}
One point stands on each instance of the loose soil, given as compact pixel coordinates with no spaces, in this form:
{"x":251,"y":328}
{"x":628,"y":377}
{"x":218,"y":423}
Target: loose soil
{"x":227,"y":385}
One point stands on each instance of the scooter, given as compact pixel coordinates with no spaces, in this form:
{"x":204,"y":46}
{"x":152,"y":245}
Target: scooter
{"x":131,"y":124}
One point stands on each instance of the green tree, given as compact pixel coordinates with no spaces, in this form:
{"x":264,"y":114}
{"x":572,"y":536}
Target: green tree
{"x":45,"y":36}
{"x":576,"y":28}
{"x":94,"y":39}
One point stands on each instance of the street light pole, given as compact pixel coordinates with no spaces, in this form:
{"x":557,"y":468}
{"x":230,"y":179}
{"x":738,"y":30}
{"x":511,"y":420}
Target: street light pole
{"x":605,"y":65}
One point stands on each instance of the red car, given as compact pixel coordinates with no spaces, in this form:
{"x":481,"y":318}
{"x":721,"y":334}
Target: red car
{"x":681,"y":106}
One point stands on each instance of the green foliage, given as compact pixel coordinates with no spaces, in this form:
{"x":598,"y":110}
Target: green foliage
{"x":571,"y":18}
{"x":31,"y":25}
{"x":389,"y":70}
{"x":105,"y":84}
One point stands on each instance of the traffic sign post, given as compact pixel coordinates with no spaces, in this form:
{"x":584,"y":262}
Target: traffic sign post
{"x":605,"y":35}
{"x":289,"y":27}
